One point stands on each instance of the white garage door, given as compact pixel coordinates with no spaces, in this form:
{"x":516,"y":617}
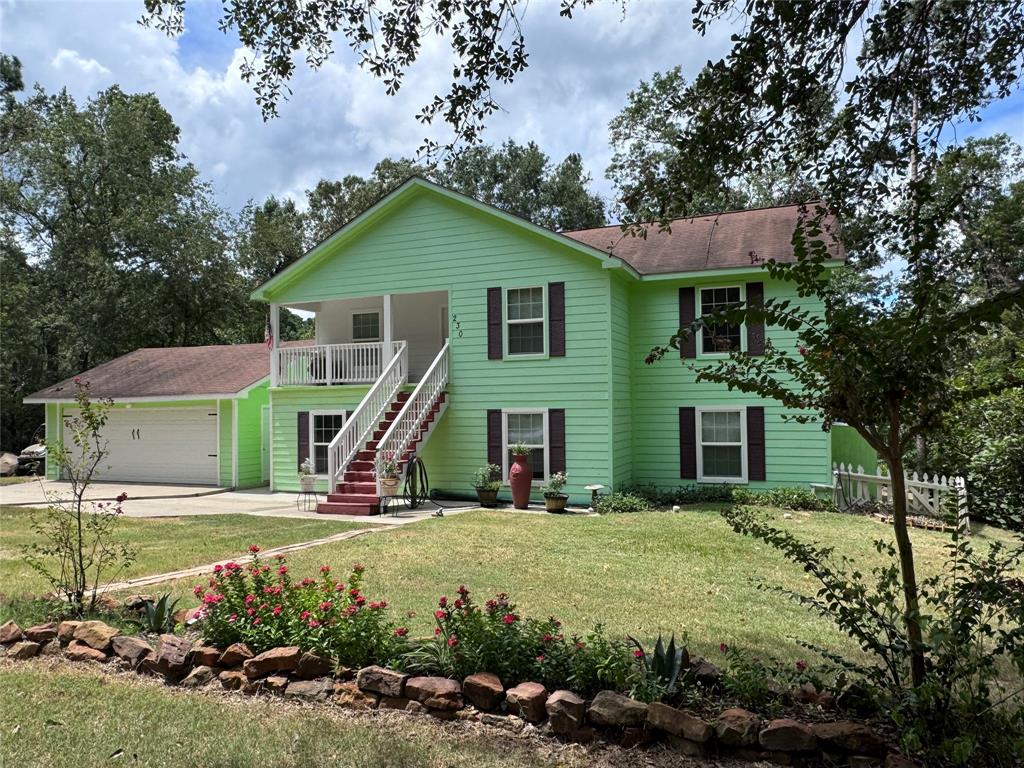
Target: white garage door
{"x":160,"y":445}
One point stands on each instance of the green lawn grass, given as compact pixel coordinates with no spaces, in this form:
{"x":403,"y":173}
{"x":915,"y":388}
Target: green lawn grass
{"x":162,"y":544}
{"x":17,"y":479}
{"x":639,"y":574}
{"x":71,"y":717}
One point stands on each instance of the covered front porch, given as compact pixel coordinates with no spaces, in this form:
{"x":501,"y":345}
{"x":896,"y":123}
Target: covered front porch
{"x":357,"y":338}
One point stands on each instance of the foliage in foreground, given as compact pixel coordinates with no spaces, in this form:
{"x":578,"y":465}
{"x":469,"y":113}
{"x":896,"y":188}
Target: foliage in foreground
{"x":638,"y":498}
{"x":78,"y":550}
{"x":968,"y":710}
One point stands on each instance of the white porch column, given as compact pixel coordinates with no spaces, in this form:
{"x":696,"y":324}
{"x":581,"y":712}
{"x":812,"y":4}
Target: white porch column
{"x":386,"y":335}
{"x":275,"y":332}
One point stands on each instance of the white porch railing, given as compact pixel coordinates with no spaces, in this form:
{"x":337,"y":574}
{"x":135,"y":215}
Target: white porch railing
{"x":367,"y":415}
{"x":328,"y":364}
{"x":925,"y":495}
{"x":409,"y":420}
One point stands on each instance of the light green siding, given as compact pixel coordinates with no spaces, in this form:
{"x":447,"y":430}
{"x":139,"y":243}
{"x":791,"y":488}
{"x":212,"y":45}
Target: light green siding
{"x":53,"y":435}
{"x":250,"y":436}
{"x":286,"y":403}
{"x":795,"y":454}
{"x":848,"y":447}
{"x":431,"y":243}
{"x":621,"y":372}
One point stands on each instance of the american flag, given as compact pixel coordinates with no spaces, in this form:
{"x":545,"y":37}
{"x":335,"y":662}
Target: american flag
{"x":268,"y":334}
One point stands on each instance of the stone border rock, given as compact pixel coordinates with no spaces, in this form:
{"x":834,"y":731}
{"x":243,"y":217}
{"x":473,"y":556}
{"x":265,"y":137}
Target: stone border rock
{"x":610,"y":717}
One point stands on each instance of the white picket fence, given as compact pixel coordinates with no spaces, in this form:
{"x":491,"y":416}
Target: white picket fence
{"x":925,"y":495}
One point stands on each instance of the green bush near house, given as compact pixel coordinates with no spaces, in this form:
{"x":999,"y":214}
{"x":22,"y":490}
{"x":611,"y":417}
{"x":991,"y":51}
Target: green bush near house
{"x":783,"y":497}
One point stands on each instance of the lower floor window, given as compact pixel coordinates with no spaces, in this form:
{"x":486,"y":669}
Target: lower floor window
{"x":322,"y":429}
{"x":721,"y":445}
{"x":529,"y":428}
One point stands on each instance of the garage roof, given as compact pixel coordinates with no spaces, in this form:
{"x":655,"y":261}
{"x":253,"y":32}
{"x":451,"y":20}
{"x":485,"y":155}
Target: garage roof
{"x":180,"y":373}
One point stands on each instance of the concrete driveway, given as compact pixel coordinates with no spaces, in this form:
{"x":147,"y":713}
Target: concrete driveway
{"x":146,"y":500}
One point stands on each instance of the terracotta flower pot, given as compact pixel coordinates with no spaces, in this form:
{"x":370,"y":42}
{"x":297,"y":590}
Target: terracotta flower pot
{"x":520,"y":477}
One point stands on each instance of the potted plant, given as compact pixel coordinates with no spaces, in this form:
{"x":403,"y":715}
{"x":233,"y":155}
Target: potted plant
{"x":554,"y":499}
{"x":387,"y":473}
{"x":307,"y":476}
{"x":486,"y":481}
{"x":520,"y":475}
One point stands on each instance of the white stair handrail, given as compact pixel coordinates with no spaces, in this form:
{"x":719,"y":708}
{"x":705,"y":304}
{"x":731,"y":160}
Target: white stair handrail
{"x":409,"y":420}
{"x":367,"y":415}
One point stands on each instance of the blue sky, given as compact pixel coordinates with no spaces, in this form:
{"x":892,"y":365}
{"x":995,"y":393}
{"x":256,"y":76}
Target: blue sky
{"x":338,"y":120}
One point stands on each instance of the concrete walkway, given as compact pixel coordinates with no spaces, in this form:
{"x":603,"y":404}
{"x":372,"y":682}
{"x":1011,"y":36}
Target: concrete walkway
{"x":204,"y":570}
{"x":145,"y":500}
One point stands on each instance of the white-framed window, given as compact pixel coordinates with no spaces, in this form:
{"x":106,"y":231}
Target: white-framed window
{"x":529,"y":427}
{"x":525,"y":321}
{"x":366,"y":326}
{"x":722,"y":445}
{"x":722,"y":338}
{"x":323,"y":426}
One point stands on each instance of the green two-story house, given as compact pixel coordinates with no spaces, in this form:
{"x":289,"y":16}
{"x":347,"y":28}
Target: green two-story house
{"x":451,"y":329}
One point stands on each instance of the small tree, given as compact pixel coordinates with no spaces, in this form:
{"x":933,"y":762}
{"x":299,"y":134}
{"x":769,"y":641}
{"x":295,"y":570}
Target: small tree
{"x":78,"y":549}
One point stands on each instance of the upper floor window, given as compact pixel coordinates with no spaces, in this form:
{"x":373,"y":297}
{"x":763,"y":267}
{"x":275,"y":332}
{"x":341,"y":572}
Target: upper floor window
{"x":723,"y":337}
{"x":366,"y":326}
{"x":524,"y":316}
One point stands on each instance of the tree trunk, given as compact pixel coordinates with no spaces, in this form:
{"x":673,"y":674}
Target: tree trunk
{"x":921,"y":449}
{"x":911,"y":613}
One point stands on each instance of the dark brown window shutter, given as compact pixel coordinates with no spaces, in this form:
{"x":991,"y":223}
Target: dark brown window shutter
{"x":494,"y":447}
{"x":303,"y":443}
{"x":755,"y":331}
{"x":755,"y":443}
{"x":556,"y":319}
{"x":687,"y":314}
{"x":494,"y":324}
{"x":688,"y":443}
{"x":556,"y":440}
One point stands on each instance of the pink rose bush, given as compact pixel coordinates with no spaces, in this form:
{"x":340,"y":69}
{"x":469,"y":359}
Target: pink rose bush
{"x":260,"y":605}
{"x":496,"y":637}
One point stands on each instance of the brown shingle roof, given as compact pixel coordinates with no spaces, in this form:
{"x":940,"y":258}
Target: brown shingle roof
{"x":171,"y":372}
{"x":713,"y":241}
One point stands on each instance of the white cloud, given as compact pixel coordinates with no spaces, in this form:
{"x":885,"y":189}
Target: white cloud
{"x":67,"y":58}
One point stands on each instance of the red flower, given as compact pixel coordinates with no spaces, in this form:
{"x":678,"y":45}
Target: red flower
{"x":801,"y":665}
{"x":121,"y":498}
{"x":254,"y":548}
{"x":197,"y":591}
{"x":458,"y":604}
{"x":304,"y":615}
{"x":360,"y":600}
{"x":325,"y":569}
{"x":257,"y":620}
{"x":277,"y":610}
{"x":358,"y":568}
{"x":313,"y":623}
{"x":540,"y":658}
{"x":443,"y":602}
{"x":439,"y":615}
{"x":723,"y":647}
{"x":233,"y":617}
{"x":282,"y":570}
{"x":401,"y":631}
{"x":250,"y":599}
{"x":547,"y":638}
{"x":638,"y":654}
{"x":218,"y":568}
{"x":510,"y":618}
{"x":437,"y":631}
{"x":325,"y":606}
{"x":462,"y":590}
{"x":453,"y":641}
{"x":308,"y":582}
{"x":339,"y":587}
{"x":802,"y":350}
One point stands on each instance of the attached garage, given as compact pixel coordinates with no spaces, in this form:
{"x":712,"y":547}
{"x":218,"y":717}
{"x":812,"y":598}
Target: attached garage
{"x":160,"y":445}
{"x":179,"y":415}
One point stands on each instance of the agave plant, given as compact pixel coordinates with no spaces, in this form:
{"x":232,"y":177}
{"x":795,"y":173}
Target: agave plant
{"x":665,"y":663}
{"x":158,"y":616}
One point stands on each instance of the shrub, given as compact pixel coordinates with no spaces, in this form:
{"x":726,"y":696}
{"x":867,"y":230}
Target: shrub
{"x":619,"y":503}
{"x":967,"y":711}
{"x":495,"y":638}
{"x":487,"y":478}
{"x":799,"y":499}
{"x":78,"y":550}
{"x":261,"y":606}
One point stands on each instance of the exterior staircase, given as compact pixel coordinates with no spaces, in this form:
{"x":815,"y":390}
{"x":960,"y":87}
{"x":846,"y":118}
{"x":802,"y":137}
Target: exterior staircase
{"x":356,"y":494}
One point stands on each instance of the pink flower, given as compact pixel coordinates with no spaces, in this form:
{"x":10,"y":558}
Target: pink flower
{"x":453,"y":641}
{"x":580,"y":645}
{"x":250,"y":599}
{"x":218,"y":568}
{"x":339,"y":587}
{"x":233,"y":617}
{"x":510,"y":618}
{"x":304,"y":615}
{"x":401,"y":631}
{"x":540,"y":658}
{"x":325,"y":569}
{"x":282,"y":570}
{"x":462,"y":590}
{"x":313,"y":623}
{"x":358,"y":568}
{"x":254,"y":548}
{"x":360,"y":600}
{"x":458,"y":604}
{"x":439,"y":615}
{"x":308,"y":582}
{"x":547,"y":638}
{"x":802,"y":350}
{"x":437,"y":631}
{"x":443,"y":602}
{"x":257,"y":620}
{"x":197,"y":591}
{"x":277,"y":610}
{"x":250,"y":611}
{"x":723,"y":647}
{"x":638,"y":654}
{"x":325,"y":606}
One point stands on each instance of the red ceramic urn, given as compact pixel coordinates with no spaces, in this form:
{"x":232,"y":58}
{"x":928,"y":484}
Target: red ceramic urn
{"x":520,"y":477}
